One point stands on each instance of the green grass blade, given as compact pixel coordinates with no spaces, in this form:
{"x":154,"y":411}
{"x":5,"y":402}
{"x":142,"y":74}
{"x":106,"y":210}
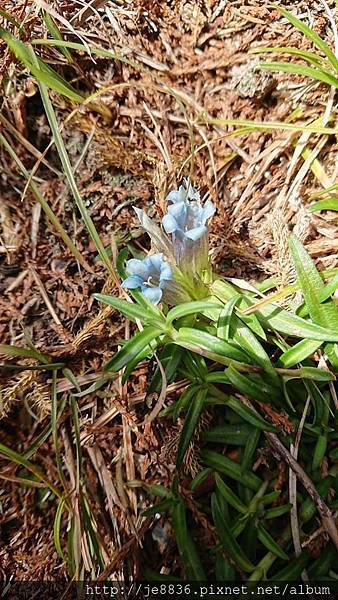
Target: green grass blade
{"x":23,"y":352}
{"x":296,"y":69}
{"x":327,"y":204}
{"x":44,"y":205}
{"x":310,"y":34}
{"x":41,"y":71}
{"x":57,"y":527}
{"x":13,"y":456}
{"x":56,"y":34}
{"x":71,"y":179}
{"x":309,"y":57}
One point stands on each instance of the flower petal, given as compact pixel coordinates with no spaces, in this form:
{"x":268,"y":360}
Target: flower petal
{"x":173,"y":196}
{"x":169,"y":223}
{"x":134,"y":266}
{"x":208,"y":211}
{"x":155,"y":262}
{"x":166,"y":272}
{"x":153,"y":294}
{"x":132,"y":282}
{"x":196,"y":233}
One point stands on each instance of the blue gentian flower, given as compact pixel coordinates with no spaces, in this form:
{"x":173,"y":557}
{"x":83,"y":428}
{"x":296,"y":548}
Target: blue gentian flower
{"x":186,"y":220}
{"x":151,"y":275}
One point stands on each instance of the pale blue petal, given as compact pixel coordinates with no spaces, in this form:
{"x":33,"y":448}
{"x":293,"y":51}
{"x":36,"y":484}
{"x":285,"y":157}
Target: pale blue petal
{"x":196,"y":233}
{"x":138,"y":267}
{"x":153,"y":294}
{"x":169,"y":223}
{"x":155,"y":262}
{"x":173,"y":196}
{"x":132,"y":282}
{"x":166,"y":272}
{"x":208,"y":211}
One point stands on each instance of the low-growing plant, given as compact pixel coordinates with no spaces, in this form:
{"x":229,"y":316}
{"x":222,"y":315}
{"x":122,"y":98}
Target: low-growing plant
{"x":253,"y":364}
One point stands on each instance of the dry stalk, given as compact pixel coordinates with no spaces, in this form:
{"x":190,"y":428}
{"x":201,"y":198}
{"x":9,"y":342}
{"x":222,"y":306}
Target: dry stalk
{"x":27,"y":386}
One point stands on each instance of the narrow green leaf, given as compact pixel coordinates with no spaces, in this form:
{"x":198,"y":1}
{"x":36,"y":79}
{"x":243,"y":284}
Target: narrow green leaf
{"x":42,"y":72}
{"x":299,"y":352}
{"x":57,"y":527}
{"x":310,"y":34}
{"x":190,"y":308}
{"x":248,"y":415}
{"x":227,"y":539}
{"x":71,"y":179}
{"x":319,"y":74}
{"x":161,"y":508}
{"x":19,"y":459}
{"x":132,"y":348}
{"x":44,"y":205}
{"x":224,"y":319}
{"x":327,"y":204}
{"x":309,"y":57}
{"x":185,"y":544}
{"x":10,"y":350}
{"x":310,"y":281}
{"x":294,"y":569}
{"x":258,"y":390}
{"x":196,"y":338}
{"x":278,"y":319}
{"x":311,"y":373}
{"x":56,"y":34}
{"x":236,"y":435}
{"x":131,"y":310}
{"x":246,"y":339}
{"x":277,"y":511}
{"x":270,"y":543}
{"x":230,"y":468}
{"x":229,"y":495}
{"x":190,"y":423}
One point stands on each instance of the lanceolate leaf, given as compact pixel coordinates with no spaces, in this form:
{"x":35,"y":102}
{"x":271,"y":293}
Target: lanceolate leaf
{"x":227,"y":539}
{"x":248,"y":415}
{"x":298,"y":352}
{"x":278,"y":319}
{"x":230,"y":468}
{"x":190,"y":308}
{"x":229,"y":495}
{"x":131,"y":310}
{"x":185,"y":544}
{"x":270,"y":543}
{"x":132,"y":348}
{"x":190,"y":423}
{"x":312,"y":285}
{"x":258,"y":390}
{"x":190,"y":338}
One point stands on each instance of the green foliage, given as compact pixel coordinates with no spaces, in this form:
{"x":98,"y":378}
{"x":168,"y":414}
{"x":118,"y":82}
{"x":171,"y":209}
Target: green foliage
{"x":218,"y":347}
